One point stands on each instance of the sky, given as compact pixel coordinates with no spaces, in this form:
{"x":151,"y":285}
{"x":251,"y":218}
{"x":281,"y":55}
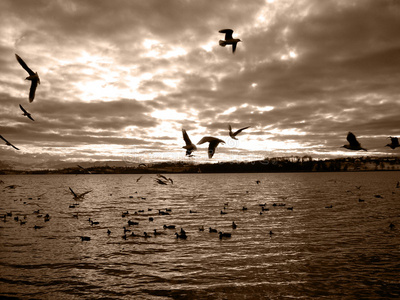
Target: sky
{"x":120,"y":79}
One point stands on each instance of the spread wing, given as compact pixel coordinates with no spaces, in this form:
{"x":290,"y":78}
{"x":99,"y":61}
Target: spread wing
{"x":29,"y":116}
{"x":351,"y":138}
{"x":228,"y":33}
{"x":240,"y":130}
{"x":8,"y":143}
{"x":234,"y":47}
{"x":162,"y":176}
{"x":23,"y":109}
{"x":209,"y":139}
{"x":212,"y":146}
{"x":159,"y":181}
{"x":186,"y":137}
{"x":3,"y":139}
{"x":73,"y":193}
{"x":32,"y":90}
{"x":23,"y":64}
{"x":14,"y":146}
{"x":206,"y":139}
{"x":83,"y":194}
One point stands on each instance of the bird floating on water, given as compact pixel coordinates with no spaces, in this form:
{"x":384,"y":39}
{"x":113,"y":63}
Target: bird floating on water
{"x":33,"y":77}
{"x":234,"y":134}
{"x":353,"y":143}
{"x":8,"y":143}
{"x":190,"y":147}
{"x":394,"y":144}
{"x":181,"y":236}
{"x":229,"y":40}
{"x":25,"y":113}
{"x":224,"y":235}
{"x":213,"y":144}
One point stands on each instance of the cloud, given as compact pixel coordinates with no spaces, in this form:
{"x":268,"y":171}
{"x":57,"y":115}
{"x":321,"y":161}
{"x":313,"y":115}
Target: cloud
{"x":133,"y":73}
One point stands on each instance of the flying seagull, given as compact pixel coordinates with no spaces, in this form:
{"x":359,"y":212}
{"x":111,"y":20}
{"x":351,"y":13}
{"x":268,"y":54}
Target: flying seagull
{"x":353,"y":143}
{"x":163,"y":180}
{"x":78,"y":196}
{"x":33,"y":77}
{"x":8,"y":143}
{"x":159,"y":181}
{"x":394,"y":144}
{"x":234,"y":134}
{"x":26,"y":113}
{"x":84,"y":169}
{"x":213,"y":144}
{"x":190,"y":147}
{"x":228,"y":39}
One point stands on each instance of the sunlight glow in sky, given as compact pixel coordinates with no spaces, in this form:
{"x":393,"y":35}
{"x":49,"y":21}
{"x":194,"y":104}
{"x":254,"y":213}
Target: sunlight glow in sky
{"x":129,"y":75}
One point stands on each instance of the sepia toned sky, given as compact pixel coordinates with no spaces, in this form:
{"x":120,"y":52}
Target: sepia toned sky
{"x":120,"y":79}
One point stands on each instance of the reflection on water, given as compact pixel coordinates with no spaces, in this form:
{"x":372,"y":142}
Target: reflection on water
{"x":325,"y":242}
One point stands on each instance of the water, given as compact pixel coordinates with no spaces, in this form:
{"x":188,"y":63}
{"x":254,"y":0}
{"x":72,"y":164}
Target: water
{"x":347,"y":251}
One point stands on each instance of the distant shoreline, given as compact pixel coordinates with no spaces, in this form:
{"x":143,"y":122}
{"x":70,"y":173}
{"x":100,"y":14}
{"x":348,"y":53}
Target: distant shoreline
{"x":151,"y":173}
{"x":273,"y":165}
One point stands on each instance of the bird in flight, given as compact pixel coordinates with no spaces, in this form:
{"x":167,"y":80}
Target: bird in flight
{"x":234,"y":134}
{"x":213,"y":143}
{"x":159,"y":181}
{"x":353,"y":143}
{"x":190,"y":147}
{"x":394,"y":144}
{"x":78,"y":196}
{"x":8,"y":143}
{"x":84,"y":169}
{"x":25,"y":113}
{"x":33,"y":77}
{"x":228,"y":39}
{"x":164,"y":179}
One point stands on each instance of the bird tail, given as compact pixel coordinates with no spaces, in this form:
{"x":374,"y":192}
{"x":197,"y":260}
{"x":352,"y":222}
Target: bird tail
{"x":222,"y":43}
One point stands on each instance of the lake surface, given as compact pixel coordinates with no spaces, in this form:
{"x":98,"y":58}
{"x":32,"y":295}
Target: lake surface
{"x":326,"y":243}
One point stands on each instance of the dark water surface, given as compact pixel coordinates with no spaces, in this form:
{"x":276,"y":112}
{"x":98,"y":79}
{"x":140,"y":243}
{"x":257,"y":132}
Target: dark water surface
{"x":330,"y":245}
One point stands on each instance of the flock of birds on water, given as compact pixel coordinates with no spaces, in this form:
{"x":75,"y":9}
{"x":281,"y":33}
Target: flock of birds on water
{"x":353,"y":144}
{"x":131,"y":226}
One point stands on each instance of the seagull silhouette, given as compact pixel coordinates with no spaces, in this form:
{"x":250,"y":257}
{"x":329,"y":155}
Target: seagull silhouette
{"x":234,"y":134}
{"x":33,"y":77}
{"x":190,"y":147}
{"x":213,"y":143}
{"x":228,"y":39}
{"x":353,"y":143}
{"x":165,"y":179}
{"x":394,"y":144}
{"x":78,"y":196}
{"x":8,"y":143}
{"x":84,"y":169}
{"x":26,"y":113}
